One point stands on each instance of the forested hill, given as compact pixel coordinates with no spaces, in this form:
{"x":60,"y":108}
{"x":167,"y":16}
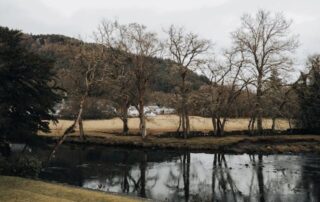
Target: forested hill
{"x":165,"y":77}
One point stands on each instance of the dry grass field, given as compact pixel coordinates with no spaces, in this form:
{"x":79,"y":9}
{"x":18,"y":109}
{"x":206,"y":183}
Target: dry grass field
{"x":158,"y":124}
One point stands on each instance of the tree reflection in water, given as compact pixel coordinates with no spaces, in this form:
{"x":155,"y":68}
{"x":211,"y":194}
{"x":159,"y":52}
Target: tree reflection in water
{"x":223,"y":186}
{"x":185,"y":176}
{"x":260,"y":178}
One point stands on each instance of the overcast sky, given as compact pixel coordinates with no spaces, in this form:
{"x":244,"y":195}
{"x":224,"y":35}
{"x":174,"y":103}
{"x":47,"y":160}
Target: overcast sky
{"x":213,"y":19}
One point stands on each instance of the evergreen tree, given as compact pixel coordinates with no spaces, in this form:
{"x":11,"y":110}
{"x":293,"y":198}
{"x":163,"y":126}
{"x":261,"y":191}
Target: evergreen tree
{"x":274,"y":96}
{"x":28,"y":92}
{"x":308,"y":90}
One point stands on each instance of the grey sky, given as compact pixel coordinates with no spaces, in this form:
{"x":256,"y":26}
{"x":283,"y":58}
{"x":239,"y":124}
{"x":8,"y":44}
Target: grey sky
{"x":213,"y":19}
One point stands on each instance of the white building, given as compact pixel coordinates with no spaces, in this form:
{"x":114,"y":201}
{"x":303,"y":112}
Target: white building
{"x":150,"y":111}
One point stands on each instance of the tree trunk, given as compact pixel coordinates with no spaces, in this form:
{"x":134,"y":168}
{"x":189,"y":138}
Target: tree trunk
{"x":187,"y":122}
{"x":218,"y":126}
{"x":79,"y":118}
{"x":185,"y":118}
{"x":289,"y":121}
{"x":71,"y":128}
{"x":273,"y":126}
{"x":142,"y":119}
{"x":223,"y":125}
{"x":259,"y":104}
{"x":214,"y":122}
{"x":82,"y":136}
{"x":142,"y":125}
{"x":251,"y":125}
{"x":143,"y":129}
{"x":125,"y":129}
{"x":180,"y":121}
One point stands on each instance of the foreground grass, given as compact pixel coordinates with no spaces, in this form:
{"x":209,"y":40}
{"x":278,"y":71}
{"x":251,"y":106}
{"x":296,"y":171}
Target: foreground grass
{"x":160,"y":124}
{"x":20,"y":189}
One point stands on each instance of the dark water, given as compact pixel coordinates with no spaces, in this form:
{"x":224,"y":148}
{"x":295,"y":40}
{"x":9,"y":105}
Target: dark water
{"x":184,"y":176}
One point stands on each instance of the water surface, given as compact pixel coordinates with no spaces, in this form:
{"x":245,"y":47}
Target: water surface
{"x":184,"y":176}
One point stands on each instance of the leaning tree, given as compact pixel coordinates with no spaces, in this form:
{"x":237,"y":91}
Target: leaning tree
{"x":90,"y":68}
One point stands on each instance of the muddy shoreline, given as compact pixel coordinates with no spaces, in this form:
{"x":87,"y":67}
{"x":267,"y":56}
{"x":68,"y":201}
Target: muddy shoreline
{"x":235,"y":144}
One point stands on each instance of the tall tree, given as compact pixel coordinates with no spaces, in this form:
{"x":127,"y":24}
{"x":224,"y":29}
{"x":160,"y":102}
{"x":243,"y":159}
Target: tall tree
{"x":187,"y":50}
{"x":266,"y":43}
{"x":140,"y":46}
{"x":28,"y":91}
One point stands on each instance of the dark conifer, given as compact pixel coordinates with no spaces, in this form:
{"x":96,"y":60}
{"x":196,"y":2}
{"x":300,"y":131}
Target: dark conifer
{"x":28,"y":92}
{"x":308,"y":90}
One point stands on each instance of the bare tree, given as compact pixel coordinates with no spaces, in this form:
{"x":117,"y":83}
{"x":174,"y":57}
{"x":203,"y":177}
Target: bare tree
{"x":187,"y":50}
{"x":90,"y":61}
{"x":110,"y":35}
{"x":140,"y":46}
{"x":120,"y":85}
{"x":122,"y":94}
{"x":267,"y":44}
{"x":226,"y":83}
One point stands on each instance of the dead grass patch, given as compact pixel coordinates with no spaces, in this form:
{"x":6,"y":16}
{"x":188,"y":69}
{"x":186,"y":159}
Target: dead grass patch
{"x":160,"y":124}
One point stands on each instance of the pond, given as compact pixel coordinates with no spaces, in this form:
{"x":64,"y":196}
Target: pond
{"x":169,"y":175}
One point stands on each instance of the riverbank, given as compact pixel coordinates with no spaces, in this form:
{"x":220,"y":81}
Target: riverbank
{"x":21,"y":189}
{"x":229,"y":144}
{"x":108,"y":132}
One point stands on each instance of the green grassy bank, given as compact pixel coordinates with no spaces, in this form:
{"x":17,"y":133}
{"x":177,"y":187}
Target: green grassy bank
{"x":21,"y":189}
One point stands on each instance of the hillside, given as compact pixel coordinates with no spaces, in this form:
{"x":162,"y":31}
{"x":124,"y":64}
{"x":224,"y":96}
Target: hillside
{"x":165,"y":77}
{"x":162,"y":84}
